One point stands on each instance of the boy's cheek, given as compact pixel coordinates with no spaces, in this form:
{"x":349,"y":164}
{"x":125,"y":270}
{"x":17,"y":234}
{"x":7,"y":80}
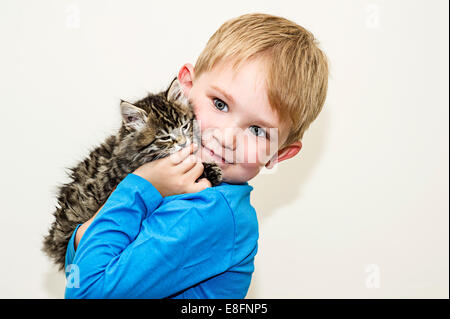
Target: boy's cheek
{"x":250,"y":170}
{"x":255,"y":155}
{"x":205,"y":122}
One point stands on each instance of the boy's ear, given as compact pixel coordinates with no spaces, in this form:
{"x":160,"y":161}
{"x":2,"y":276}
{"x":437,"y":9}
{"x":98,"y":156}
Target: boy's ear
{"x":186,"y":78}
{"x":285,"y":153}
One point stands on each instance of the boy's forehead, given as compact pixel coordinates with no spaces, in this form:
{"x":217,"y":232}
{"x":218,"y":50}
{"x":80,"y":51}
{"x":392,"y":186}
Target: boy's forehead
{"x":244,"y":86}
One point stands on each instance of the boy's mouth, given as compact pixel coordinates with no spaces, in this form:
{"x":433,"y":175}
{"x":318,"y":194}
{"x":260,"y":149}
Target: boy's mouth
{"x":215,"y":156}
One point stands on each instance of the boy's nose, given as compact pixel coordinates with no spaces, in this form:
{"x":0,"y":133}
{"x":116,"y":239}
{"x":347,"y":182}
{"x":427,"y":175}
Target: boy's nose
{"x":229,"y":139}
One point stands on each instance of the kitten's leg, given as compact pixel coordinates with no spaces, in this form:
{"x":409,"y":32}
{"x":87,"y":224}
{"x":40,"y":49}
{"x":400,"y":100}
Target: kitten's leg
{"x":213,"y":173}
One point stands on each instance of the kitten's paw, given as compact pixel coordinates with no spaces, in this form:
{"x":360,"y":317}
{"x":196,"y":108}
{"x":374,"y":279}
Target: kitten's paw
{"x":213,"y":173}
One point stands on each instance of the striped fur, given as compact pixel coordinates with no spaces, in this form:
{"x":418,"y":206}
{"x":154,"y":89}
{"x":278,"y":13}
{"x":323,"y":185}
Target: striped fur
{"x":152,"y":128}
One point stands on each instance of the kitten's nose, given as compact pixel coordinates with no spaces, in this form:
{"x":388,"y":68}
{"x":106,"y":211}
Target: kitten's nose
{"x":182,"y":141}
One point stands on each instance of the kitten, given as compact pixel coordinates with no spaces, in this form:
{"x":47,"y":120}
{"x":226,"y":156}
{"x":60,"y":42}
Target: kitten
{"x":152,"y":128}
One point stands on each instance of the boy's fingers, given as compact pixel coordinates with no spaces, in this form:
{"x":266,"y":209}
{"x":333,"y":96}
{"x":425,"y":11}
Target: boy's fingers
{"x":188,"y":163}
{"x":200,"y":185}
{"x":178,"y":157}
{"x":195,"y":171}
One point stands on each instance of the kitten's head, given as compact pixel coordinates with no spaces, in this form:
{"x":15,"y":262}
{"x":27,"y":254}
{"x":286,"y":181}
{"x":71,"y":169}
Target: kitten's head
{"x":158,"y":125}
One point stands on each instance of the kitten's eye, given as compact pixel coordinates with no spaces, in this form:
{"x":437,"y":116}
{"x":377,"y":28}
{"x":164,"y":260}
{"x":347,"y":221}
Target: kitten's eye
{"x":220,"y":105}
{"x":185,"y":126}
{"x":167,"y":138}
{"x":258,"y":131}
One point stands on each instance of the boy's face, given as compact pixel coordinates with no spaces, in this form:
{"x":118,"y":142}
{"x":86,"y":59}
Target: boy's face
{"x":239,"y":130}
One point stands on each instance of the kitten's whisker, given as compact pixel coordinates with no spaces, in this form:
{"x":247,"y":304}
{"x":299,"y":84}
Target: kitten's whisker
{"x":144,"y":147}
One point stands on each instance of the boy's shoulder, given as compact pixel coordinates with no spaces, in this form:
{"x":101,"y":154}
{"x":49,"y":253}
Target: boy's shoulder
{"x":234,"y":193}
{"x":227,"y":198}
{"x":236,"y":196}
{"x":220,"y":213}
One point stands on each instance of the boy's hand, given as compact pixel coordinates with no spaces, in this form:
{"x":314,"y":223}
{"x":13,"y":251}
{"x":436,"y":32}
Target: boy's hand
{"x":175,"y":174}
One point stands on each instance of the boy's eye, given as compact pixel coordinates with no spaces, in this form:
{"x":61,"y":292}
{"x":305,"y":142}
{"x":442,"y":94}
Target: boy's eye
{"x":220,"y":105}
{"x":258,"y":131}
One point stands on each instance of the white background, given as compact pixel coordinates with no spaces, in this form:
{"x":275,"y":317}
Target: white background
{"x":362,"y":212}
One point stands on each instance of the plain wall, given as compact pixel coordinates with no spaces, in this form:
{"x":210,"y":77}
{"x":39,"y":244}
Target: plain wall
{"x":361,"y":212}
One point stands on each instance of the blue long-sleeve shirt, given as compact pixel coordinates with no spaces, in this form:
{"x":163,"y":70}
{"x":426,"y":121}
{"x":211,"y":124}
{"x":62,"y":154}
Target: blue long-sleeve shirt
{"x":141,"y":245}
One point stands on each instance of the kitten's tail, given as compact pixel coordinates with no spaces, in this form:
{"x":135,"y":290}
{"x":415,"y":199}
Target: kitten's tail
{"x":55,"y":243}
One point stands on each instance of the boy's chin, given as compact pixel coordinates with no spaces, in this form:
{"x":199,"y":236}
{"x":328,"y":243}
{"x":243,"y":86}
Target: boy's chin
{"x":236,"y":176}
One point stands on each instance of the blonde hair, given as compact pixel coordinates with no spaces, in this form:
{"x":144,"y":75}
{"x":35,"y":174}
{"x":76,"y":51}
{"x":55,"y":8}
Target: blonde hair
{"x":297,"y":78}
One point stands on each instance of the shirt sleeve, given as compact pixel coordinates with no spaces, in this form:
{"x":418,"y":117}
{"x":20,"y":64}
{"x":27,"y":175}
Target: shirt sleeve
{"x":133,"y":250}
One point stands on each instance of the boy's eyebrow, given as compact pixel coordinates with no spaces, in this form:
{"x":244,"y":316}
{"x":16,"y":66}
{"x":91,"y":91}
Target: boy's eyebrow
{"x":230,"y":98}
{"x":227,"y":96}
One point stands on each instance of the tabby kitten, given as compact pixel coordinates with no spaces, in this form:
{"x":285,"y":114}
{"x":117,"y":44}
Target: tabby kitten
{"x":152,"y":128}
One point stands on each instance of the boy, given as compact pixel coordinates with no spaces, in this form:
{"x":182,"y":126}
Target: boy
{"x":162,"y":234}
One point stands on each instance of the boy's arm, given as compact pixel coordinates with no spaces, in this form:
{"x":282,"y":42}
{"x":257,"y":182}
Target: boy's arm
{"x":166,"y":175}
{"x":107,"y":251}
{"x":84,"y":226}
{"x":183,"y":243}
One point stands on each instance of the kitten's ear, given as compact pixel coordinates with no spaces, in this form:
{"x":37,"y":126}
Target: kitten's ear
{"x":133,"y":118}
{"x":175,"y":93}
